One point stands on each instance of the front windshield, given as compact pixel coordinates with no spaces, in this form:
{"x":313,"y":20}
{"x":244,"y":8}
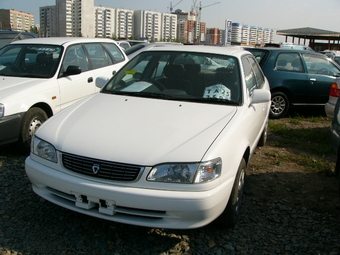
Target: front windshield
{"x":24,"y":60}
{"x":175,"y":75}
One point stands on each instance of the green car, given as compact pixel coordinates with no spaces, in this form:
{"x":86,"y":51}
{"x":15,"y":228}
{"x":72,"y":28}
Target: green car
{"x":296,"y":77}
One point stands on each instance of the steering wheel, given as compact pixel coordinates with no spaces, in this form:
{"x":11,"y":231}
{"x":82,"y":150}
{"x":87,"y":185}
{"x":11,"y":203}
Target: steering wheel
{"x":322,"y":71}
{"x":159,"y":85}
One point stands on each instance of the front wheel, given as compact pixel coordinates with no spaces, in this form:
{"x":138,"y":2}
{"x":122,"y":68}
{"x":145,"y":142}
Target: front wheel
{"x":263,"y":138}
{"x":230,"y":215}
{"x":33,"y":119}
{"x":279,"y":105}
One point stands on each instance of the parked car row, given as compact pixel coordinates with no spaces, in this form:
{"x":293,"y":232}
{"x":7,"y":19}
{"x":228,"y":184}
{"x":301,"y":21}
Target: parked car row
{"x":157,"y":134}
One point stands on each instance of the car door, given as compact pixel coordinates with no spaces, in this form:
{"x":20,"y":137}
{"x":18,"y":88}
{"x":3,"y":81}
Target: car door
{"x":105,"y":59}
{"x":283,"y":76}
{"x":321,"y":75}
{"x":255,"y":79}
{"x":77,"y":86}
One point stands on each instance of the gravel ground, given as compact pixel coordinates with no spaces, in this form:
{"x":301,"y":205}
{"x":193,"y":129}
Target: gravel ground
{"x":31,"y":225}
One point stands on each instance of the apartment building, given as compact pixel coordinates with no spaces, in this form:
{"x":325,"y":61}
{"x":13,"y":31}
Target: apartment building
{"x":169,"y":27}
{"x":123,"y":23}
{"x":154,"y":26}
{"x":213,"y":36}
{"x":16,"y":20}
{"x":48,"y":21}
{"x":243,"y":34}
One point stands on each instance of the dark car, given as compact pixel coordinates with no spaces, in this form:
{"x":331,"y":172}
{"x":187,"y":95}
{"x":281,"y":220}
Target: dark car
{"x":8,"y":36}
{"x":296,"y":77}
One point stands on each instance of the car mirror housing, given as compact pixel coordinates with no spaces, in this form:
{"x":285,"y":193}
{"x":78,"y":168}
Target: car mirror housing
{"x":101,"y":81}
{"x":260,"y":96}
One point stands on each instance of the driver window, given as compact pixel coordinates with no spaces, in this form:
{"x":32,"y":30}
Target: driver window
{"x":319,"y":65}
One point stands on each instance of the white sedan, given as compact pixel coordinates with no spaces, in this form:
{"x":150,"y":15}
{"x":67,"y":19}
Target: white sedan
{"x":164,"y":144}
{"x":41,"y":76}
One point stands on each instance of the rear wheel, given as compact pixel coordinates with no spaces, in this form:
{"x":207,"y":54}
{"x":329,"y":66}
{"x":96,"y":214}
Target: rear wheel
{"x":33,"y":119}
{"x":230,"y":215}
{"x":279,"y":105}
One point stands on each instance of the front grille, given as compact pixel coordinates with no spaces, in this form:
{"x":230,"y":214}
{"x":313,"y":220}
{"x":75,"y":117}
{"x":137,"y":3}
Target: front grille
{"x":100,"y":168}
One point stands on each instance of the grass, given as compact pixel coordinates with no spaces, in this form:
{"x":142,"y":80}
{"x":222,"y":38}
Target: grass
{"x":307,"y":144}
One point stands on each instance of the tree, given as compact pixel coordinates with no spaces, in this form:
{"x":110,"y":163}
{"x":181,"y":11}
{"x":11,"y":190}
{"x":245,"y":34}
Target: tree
{"x":34,"y":29}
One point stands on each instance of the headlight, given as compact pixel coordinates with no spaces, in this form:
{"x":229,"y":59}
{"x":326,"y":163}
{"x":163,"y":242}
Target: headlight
{"x":43,"y":149}
{"x":2,"y":110}
{"x":186,"y":173}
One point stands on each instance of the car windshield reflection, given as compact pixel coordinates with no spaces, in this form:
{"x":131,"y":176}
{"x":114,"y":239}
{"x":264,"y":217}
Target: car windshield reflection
{"x":185,"y":76}
{"x":34,"y":61}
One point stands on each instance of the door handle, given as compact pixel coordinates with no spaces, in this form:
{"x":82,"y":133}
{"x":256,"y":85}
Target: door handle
{"x":312,"y":80}
{"x":89,"y":80}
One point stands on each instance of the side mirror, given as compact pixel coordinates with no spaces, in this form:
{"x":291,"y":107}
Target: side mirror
{"x":260,"y":96}
{"x":72,"y":70}
{"x":101,"y":81}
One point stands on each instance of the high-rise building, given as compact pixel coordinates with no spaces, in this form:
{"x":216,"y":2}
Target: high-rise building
{"x":147,"y":25}
{"x":76,"y":18}
{"x":16,"y":20}
{"x":213,"y":36}
{"x":243,"y":34}
{"x":48,"y":21}
{"x":123,"y":23}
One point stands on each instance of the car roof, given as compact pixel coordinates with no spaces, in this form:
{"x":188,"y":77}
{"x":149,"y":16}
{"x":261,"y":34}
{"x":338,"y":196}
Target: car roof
{"x":202,"y":49}
{"x":11,"y":32}
{"x":274,"y":49}
{"x":62,"y":40}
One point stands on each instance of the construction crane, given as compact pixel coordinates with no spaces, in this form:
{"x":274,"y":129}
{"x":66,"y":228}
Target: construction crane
{"x":173,"y":6}
{"x":199,"y":17}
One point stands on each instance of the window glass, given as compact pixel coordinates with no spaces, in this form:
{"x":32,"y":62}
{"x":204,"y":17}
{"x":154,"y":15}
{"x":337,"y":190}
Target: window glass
{"x":289,"y":62}
{"x":320,"y":65}
{"x":188,"y":76}
{"x":75,"y":56}
{"x":39,"y":61}
{"x":115,"y":52}
{"x":98,"y":55}
{"x":249,"y":75}
{"x":258,"y":74}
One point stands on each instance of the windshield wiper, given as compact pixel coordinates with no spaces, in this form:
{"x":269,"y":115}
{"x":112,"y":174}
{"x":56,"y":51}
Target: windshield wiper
{"x":141,"y":94}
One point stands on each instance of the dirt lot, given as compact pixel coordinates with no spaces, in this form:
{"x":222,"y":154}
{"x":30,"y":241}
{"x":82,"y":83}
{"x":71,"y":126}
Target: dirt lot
{"x":290,"y":181}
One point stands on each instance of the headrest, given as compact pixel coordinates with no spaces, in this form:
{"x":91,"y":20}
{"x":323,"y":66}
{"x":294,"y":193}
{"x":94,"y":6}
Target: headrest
{"x":282,"y":62}
{"x":192,"y":68}
{"x":41,"y":59}
{"x":173,"y":71}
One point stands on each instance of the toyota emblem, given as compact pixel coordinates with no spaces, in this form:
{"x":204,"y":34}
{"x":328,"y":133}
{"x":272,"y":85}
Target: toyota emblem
{"x":95,"y":168}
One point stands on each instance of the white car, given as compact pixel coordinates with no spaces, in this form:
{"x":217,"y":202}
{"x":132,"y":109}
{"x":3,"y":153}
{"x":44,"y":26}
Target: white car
{"x":334,"y":93}
{"x":42,"y":76}
{"x":165,"y":147}
{"x":137,"y":48}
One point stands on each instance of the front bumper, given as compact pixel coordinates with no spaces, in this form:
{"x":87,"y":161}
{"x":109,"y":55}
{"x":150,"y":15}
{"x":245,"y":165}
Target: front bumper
{"x":130,"y":205}
{"x":10,"y":128}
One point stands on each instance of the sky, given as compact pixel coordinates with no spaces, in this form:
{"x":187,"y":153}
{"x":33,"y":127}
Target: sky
{"x":273,"y":14}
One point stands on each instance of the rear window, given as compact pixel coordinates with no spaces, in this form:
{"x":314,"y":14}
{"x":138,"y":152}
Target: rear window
{"x":259,"y":55}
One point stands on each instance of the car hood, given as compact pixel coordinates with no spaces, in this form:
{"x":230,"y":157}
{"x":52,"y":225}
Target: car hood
{"x":137,"y":130}
{"x":10,"y":85}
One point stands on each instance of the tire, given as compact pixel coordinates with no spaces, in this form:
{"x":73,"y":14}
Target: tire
{"x":279,"y":105}
{"x":263,"y":138}
{"x":337,"y":168}
{"x":230,"y":214}
{"x":32,"y":120}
